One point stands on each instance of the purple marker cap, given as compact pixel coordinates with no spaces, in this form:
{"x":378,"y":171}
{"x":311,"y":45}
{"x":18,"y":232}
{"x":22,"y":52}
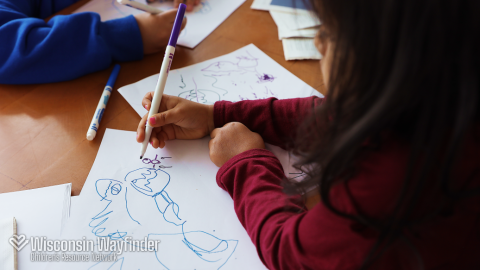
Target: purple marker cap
{"x":177,"y":25}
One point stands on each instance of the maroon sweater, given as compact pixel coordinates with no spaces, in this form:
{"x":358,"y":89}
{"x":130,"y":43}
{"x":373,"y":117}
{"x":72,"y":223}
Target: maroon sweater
{"x":319,"y":239}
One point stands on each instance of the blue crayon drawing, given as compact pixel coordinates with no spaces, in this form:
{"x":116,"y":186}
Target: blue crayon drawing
{"x":203,"y":8}
{"x":142,"y":203}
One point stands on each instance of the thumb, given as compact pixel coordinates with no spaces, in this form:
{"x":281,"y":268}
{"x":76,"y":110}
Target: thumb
{"x":164,"y":118}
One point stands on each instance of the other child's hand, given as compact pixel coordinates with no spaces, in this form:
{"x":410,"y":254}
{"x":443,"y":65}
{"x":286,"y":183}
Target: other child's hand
{"x":156,"y":29}
{"x":190,"y":3}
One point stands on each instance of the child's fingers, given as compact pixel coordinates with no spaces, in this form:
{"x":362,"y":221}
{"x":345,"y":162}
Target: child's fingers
{"x":141,"y":129}
{"x":165,"y":118}
{"x":167,"y":102}
{"x":184,"y":23}
{"x":168,"y":133}
{"x":154,"y":140}
{"x":212,"y":149}
{"x":190,"y":4}
{"x":164,"y":137}
{"x":214,"y":133}
{"x":147,"y":100}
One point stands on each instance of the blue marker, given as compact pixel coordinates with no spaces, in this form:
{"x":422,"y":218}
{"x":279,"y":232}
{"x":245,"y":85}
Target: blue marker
{"x":102,"y":104}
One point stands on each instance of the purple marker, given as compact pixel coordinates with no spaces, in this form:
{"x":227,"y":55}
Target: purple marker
{"x":162,"y":77}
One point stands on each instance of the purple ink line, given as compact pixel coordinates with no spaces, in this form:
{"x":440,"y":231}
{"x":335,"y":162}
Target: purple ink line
{"x":195,"y":88}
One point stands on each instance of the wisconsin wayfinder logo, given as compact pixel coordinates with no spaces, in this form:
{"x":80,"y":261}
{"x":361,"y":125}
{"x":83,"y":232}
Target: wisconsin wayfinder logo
{"x":18,"y":241}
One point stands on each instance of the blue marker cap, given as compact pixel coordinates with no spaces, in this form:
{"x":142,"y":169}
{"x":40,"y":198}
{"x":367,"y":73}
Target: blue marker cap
{"x":177,"y":25}
{"x":113,"y":75}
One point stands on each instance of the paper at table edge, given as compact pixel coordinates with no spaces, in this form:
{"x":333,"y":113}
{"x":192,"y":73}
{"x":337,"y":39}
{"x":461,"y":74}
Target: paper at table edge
{"x":8,"y":254}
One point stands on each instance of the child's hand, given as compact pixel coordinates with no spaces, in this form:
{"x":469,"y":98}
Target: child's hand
{"x":156,"y":29}
{"x":231,"y":140}
{"x":178,"y":118}
{"x":190,"y":3}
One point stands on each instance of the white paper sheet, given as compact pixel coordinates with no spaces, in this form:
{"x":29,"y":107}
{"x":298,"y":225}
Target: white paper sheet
{"x":39,"y":212}
{"x":288,"y":33}
{"x":294,"y":21}
{"x":181,"y":205}
{"x":247,"y":73}
{"x":291,"y":25}
{"x":205,"y":17}
{"x":300,"y":48}
{"x":7,"y":252}
{"x":261,"y":5}
{"x":73,"y":204}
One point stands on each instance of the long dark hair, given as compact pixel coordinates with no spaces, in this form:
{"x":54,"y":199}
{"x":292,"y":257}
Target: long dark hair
{"x":407,"y":68}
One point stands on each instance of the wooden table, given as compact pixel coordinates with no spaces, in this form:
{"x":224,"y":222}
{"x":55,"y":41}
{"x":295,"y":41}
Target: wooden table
{"x":43,"y":126}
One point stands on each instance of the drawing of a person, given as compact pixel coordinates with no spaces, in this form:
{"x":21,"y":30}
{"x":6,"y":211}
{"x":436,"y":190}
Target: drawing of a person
{"x":140,"y":206}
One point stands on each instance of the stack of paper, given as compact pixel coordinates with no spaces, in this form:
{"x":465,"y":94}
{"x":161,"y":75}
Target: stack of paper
{"x":261,"y":5}
{"x":297,"y":26}
{"x":39,"y":212}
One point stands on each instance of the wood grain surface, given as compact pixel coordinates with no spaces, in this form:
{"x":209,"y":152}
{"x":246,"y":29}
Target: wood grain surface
{"x":43,"y":126}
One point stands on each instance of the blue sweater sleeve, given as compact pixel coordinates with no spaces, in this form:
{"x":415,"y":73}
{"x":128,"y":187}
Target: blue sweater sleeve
{"x":67,"y":47}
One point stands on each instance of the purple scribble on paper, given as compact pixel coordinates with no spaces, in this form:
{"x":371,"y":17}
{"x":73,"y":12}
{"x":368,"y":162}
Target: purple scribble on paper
{"x":155,"y":162}
{"x":222,"y":67}
{"x":265,"y":78}
{"x":244,"y":64}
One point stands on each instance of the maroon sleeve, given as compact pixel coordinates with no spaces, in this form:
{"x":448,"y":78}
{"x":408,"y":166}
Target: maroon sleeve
{"x":285,"y":235}
{"x":275,"y":120}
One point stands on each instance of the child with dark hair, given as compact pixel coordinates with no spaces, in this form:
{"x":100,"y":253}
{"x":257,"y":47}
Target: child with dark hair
{"x":393,"y":150}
